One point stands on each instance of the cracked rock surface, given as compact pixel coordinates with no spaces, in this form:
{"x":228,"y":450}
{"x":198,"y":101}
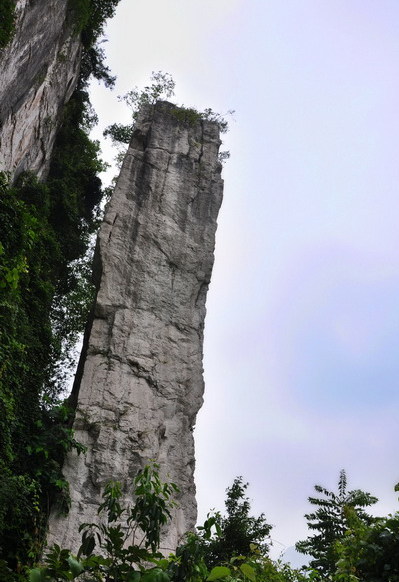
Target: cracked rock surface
{"x":39,"y":71}
{"x":139,"y":384}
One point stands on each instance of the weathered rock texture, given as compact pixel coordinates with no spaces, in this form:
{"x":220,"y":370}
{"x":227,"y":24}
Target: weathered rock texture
{"x":38,"y":73}
{"x":141,"y":379}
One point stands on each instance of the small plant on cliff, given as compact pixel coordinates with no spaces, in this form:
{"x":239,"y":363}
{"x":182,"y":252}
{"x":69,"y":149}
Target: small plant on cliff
{"x":162,"y":87}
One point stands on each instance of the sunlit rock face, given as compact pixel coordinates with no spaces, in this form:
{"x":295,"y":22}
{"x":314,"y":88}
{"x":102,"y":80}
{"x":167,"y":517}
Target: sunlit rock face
{"x":38,"y":73}
{"x":140,"y":382}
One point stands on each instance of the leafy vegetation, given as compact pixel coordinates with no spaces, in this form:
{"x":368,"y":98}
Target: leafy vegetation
{"x":7,"y":21}
{"x":162,"y":87}
{"x":126,"y":540}
{"x":369,"y":552}
{"x":330,"y":520}
{"x":124,"y":547}
{"x":239,"y":533}
{"x":89,"y":17}
{"x":45,"y":254}
{"x":44,"y":229}
{"x":45,"y":295}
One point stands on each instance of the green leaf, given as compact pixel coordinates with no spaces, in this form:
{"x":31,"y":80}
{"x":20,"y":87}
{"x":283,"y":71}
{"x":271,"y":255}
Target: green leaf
{"x":236,"y":558}
{"x":75,"y":566}
{"x":254,"y":548}
{"x":218,"y":572}
{"x":37,"y":575}
{"x":88,"y":544}
{"x":133,"y":576}
{"x":164,"y":563}
{"x":248,"y":571}
{"x":155,"y":575}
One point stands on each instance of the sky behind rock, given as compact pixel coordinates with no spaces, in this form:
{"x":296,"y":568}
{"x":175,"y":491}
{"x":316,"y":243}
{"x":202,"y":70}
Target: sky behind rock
{"x":302,"y":330}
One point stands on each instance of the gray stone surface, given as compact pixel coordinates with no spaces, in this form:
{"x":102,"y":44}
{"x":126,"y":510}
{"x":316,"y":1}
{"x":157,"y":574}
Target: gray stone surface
{"x":140,"y":382}
{"x":38,"y":73}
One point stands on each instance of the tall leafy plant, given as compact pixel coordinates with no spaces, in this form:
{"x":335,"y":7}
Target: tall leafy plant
{"x":124,"y":545}
{"x":330,"y":522}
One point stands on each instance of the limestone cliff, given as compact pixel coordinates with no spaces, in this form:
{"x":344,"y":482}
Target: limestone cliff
{"x":141,"y":379}
{"x":39,"y":71}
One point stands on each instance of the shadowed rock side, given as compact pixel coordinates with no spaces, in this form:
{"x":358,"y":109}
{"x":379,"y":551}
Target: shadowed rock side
{"x":38,"y":73}
{"x":141,"y":380}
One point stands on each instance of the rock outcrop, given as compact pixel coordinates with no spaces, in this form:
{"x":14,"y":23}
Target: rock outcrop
{"x":139,"y":384}
{"x":39,"y":71}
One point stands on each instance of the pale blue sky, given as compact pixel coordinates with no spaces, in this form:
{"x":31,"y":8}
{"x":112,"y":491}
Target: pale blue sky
{"x":302,"y":330}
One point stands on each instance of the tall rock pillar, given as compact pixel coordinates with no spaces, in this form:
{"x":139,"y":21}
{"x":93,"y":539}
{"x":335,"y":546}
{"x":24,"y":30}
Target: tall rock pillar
{"x":141,"y":382}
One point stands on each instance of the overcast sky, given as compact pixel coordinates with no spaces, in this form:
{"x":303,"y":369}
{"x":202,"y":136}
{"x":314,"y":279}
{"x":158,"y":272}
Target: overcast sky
{"x":302,"y":332}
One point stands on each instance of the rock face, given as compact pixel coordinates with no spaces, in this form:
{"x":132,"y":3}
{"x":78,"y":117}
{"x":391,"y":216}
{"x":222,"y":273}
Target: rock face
{"x":140,"y":381}
{"x":39,"y":70}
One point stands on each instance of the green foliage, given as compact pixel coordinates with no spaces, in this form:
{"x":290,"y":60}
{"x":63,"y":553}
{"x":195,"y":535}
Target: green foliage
{"x":272,"y":571}
{"x":89,"y":17}
{"x":191,"y":562}
{"x":29,"y":252}
{"x":258,"y":568}
{"x":105,"y":552}
{"x":45,"y":232}
{"x":7,"y":21}
{"x":152,"y":508}
{"x":45,"y":295}
{"x":229,"y":547}
{"x":369,"y":552}
{"x":73,"y":180}
{"x":190,"y":116}
{"x":162,"y":87}
{"x":119,"y":133}
{"x":238,"y":533}
{"x":124,"y":546}
{"x":114,"y":551}
{"x":330,"y":520}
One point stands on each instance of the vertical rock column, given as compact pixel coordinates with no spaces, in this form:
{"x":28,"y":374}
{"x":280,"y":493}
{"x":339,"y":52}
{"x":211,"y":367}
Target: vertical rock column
{"x":141,"y":382}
